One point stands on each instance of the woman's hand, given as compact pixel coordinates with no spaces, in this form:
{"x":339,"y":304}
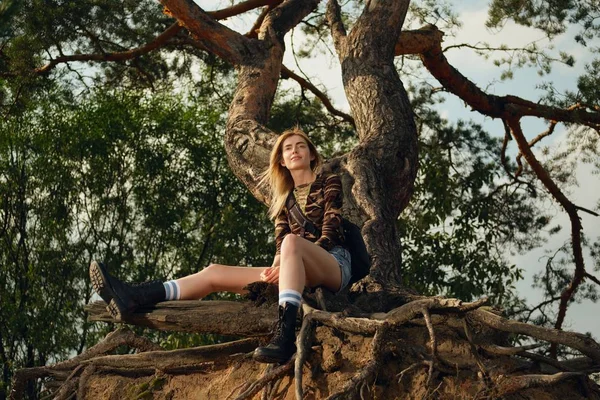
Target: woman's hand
{"x":270,"y":275}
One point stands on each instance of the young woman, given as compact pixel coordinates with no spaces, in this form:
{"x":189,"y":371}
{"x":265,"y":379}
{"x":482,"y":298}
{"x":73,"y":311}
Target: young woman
{"x":302,"y":258}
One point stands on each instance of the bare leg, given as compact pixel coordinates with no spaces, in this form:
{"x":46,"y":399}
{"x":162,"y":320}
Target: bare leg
{"x":217,"y":278}
{"x":304,"y":263}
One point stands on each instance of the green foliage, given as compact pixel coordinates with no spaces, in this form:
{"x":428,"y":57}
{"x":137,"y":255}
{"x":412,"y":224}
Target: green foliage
{"x":139,"y":181}
{"x":465,"y":214}
{"x":138,"y":177}
{"x":552,"y":17}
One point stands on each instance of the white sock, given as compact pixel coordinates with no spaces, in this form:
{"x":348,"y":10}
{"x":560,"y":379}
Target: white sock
{"x":172,"y":291}
{"x":290,"y":296}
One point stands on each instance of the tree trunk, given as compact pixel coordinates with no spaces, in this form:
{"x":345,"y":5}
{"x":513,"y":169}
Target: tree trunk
{"x":384,"y":164}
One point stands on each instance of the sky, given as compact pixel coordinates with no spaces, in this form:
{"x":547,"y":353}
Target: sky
{"x":324,"y":71}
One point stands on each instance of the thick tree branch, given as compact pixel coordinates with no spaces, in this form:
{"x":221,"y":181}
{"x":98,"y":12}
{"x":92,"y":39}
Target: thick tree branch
{"x":334,"y":18}
{"x":160,"y":41}
{"x":217,"y":38}
{"x":222,"y":317}
{"x":241,"y":8}
{"x":247,"y":141}
{"x":427,"y":43}
{"x":289,"y":14}
{"x":253,"y":32}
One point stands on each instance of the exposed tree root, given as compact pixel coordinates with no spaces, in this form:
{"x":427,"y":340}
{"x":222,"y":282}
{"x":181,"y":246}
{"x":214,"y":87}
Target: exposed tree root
{"x":482,"y":369}
{"x":354,"y":387}
{"x":270,"y":374}
{"x":304,"y":341}
{"x":70,"y":368}
{"x":585,"y":344}
{"x":513,"y":384}
{"x":74,"y":373}
{"x":444,"y":326}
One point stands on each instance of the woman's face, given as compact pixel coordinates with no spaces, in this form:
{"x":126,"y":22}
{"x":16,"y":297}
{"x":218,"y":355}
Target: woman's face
{"x":296,"y":153}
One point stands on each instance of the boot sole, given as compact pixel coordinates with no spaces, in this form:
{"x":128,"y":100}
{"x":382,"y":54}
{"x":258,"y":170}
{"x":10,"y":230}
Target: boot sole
{"x":269,"y":359}
{"x":100,"y":283}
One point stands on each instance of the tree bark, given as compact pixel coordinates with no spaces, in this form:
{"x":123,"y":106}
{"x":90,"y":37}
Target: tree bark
{"x":220,"y":317}
{"x":383,"y":166}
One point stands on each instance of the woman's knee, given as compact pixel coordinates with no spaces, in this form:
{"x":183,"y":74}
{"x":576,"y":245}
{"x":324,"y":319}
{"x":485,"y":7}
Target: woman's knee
{"x":290,"y":244}
{"x":210,"y":273}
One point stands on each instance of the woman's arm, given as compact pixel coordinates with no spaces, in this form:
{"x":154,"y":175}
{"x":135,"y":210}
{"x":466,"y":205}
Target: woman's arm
{"x":331,"y":232}
{"x":282,"y":228}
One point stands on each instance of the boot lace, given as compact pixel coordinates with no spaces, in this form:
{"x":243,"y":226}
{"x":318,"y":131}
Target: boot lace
{"x":278,"y":337}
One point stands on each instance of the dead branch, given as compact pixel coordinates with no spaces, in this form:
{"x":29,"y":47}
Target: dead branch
{"x":119,"y":337}
{"x":175,"y":359}
{"x":432,"y":339}
{"x":287,"y":73}
{"x":546,"y":360}
{"x":577,"y":341}
{"x":507,"y":351}
{"x":513,"y":384}
{"x":364,"y":326}
{"x":570,"y":209}
{"x":424,"y":363}
{"x":87,"y":373}
{"x":220,"y":317}
{"x":409,"y":311}
{"x":474,"y":351}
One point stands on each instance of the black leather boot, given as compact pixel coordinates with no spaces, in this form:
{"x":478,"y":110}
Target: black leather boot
{"x":282,"y":347}
{"x":124,"y":298}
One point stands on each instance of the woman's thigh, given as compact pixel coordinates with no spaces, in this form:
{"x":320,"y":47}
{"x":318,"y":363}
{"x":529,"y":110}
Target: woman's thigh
{"x":321,"y":268}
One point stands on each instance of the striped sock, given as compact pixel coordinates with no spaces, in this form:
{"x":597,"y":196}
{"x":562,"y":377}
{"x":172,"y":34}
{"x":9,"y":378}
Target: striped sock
{"x":172,"y":291}
{"x":290,"y":296}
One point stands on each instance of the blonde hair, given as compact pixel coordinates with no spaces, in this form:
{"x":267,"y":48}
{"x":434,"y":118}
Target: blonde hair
{"x":278,"y":177}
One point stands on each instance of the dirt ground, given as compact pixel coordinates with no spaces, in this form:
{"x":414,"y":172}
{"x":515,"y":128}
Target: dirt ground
{"x":334,"y":359}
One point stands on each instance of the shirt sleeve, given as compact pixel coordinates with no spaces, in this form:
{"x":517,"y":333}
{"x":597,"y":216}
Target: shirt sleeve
{"x":282,"y":228}
{"x":331,"y":232}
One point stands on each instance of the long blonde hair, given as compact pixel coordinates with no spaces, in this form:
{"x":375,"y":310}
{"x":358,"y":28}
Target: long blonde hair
{"x":278,"y":177}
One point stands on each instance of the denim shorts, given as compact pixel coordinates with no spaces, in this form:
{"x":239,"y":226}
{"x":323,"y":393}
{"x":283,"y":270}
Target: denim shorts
{"x":342,"y":256}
